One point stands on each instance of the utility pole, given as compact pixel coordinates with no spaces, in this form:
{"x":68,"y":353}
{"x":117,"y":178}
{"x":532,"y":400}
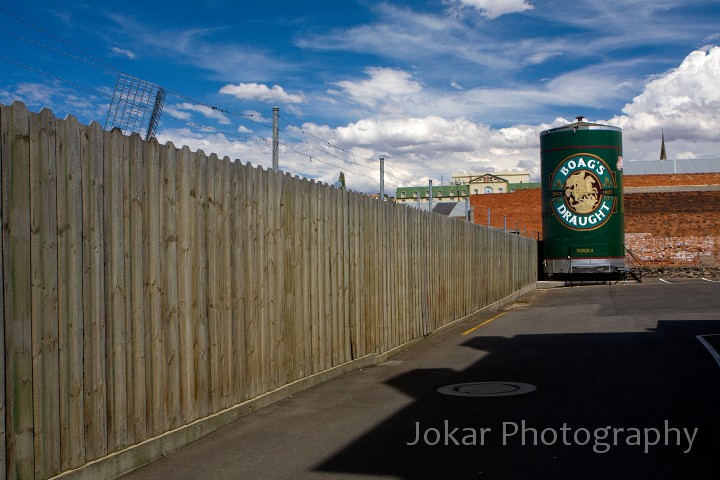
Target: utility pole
{"x":382,"y":179}
{"x":430,"y":197}
{"x":275,"y":143}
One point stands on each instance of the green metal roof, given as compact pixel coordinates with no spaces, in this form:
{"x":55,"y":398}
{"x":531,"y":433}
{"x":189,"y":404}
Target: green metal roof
{"x":437,"y":191}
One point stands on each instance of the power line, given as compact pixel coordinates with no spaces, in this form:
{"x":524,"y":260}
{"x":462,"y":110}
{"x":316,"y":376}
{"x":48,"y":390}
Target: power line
{"x":401,"y":173}
{"x":324,"y":151}
{"x":91,"y":60}
{"x":216,"y":130}
{"x":100,"y":64}
{"x":340,"y":149}
{"x":203,"y":127}
{"x":311,"y":158}
{"x":55,"y":77}
{"x":326,"y":142}
{"x":344,"y":151}
{"x":60,"y":39}
{"x":246,"y":116}
{"x":207,"y":127}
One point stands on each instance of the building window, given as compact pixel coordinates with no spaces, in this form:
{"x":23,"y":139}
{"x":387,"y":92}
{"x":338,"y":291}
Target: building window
{"x":464,"y":193}
{"x":415,"y":194}
{"x":477,"y":191}
{"x":500,"y":190}
{"x":402,"y":194}
{"x":452,"y":193}
{"x":488,"y":190}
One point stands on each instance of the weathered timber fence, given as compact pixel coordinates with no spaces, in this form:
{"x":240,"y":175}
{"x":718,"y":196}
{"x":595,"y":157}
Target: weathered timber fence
{"x":152,"y":294}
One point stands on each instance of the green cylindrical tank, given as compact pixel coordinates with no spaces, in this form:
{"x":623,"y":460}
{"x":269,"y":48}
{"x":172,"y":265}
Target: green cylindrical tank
{"x":582,"y":206}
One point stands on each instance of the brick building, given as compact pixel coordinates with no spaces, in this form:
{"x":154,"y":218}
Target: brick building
{"x":670,"y":219}
{"x":521,"y":208}
{"x":673,"y":219}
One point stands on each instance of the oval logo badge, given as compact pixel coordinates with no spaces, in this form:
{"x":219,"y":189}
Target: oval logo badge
{"x":583,"y":192}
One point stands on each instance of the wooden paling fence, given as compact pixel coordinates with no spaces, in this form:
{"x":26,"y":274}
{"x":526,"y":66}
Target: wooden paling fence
{"x":146,"y":288}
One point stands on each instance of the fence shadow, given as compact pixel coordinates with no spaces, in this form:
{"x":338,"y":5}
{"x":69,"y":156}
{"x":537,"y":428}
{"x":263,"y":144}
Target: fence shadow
{"x":660,"y":379}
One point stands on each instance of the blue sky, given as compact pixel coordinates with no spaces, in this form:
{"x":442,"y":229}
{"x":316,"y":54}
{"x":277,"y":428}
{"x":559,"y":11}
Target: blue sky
{"x":436,"y":86}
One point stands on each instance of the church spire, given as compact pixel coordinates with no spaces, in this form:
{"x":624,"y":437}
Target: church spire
{"x":663,"y":155}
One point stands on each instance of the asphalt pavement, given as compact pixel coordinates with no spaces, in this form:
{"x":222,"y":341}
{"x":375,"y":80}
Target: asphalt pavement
{"x":593,"y":382}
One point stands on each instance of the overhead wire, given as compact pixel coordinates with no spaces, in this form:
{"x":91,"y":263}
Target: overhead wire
{"x":305,"y":132}
{"x":56,"y":77}
{"x":324,"y":151}
{"x":98,"y":63}
{"x":325,"y":142}
{"x":107,"y":66}
{"x":88,"y":59}
{"x":387,"y":165}
{"x":246,"y":116}
{"x":289,"y":147}
{"x":93,"y":61}
{"x":217,"y":130}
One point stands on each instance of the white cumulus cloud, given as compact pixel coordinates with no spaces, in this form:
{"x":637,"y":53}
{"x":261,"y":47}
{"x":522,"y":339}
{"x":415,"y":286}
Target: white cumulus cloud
{"x":684,"y":103}
{"x":496,"y":8}
{"x":384,"y":85}
{"x":258,"y":91}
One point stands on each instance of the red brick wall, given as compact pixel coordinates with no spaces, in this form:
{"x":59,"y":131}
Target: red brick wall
{"x":671,"y":179}
{"x":662,"y":228}
{"x":521,"y":206}
{"x":674,"y":228}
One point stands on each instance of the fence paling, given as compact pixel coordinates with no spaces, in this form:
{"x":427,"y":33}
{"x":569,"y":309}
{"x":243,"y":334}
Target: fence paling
{"x":93,"y":293}
{"x":70,"y":318}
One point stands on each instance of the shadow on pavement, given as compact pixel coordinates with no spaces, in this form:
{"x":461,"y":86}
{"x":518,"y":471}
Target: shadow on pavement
{"x":602,"y":400}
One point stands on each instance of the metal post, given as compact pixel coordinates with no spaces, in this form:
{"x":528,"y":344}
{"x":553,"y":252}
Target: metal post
{"x":488,"y":217}
{"x":467,"y":210}
{"x":430,"y":197}
{"x":504,"y":223}
{"x":275,"y":143}
{"x":382,"y":179}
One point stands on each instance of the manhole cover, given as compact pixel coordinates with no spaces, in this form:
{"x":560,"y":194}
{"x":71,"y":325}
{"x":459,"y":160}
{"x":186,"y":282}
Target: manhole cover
{"x":487,"y":389}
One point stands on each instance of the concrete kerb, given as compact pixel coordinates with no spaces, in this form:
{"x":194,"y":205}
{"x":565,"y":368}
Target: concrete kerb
{"x":131,"y":458}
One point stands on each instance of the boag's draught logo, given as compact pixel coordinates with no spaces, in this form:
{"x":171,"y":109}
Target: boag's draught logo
{"x":583,"y":192}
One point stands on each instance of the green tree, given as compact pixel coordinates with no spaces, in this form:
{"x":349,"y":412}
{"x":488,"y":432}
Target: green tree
{"x":342,"y":179}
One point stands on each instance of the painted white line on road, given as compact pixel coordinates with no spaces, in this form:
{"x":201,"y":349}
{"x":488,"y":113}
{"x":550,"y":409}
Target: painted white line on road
{"x":664,"y":281}
{"x":709,"y":347}
{"x":708,"y":280}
